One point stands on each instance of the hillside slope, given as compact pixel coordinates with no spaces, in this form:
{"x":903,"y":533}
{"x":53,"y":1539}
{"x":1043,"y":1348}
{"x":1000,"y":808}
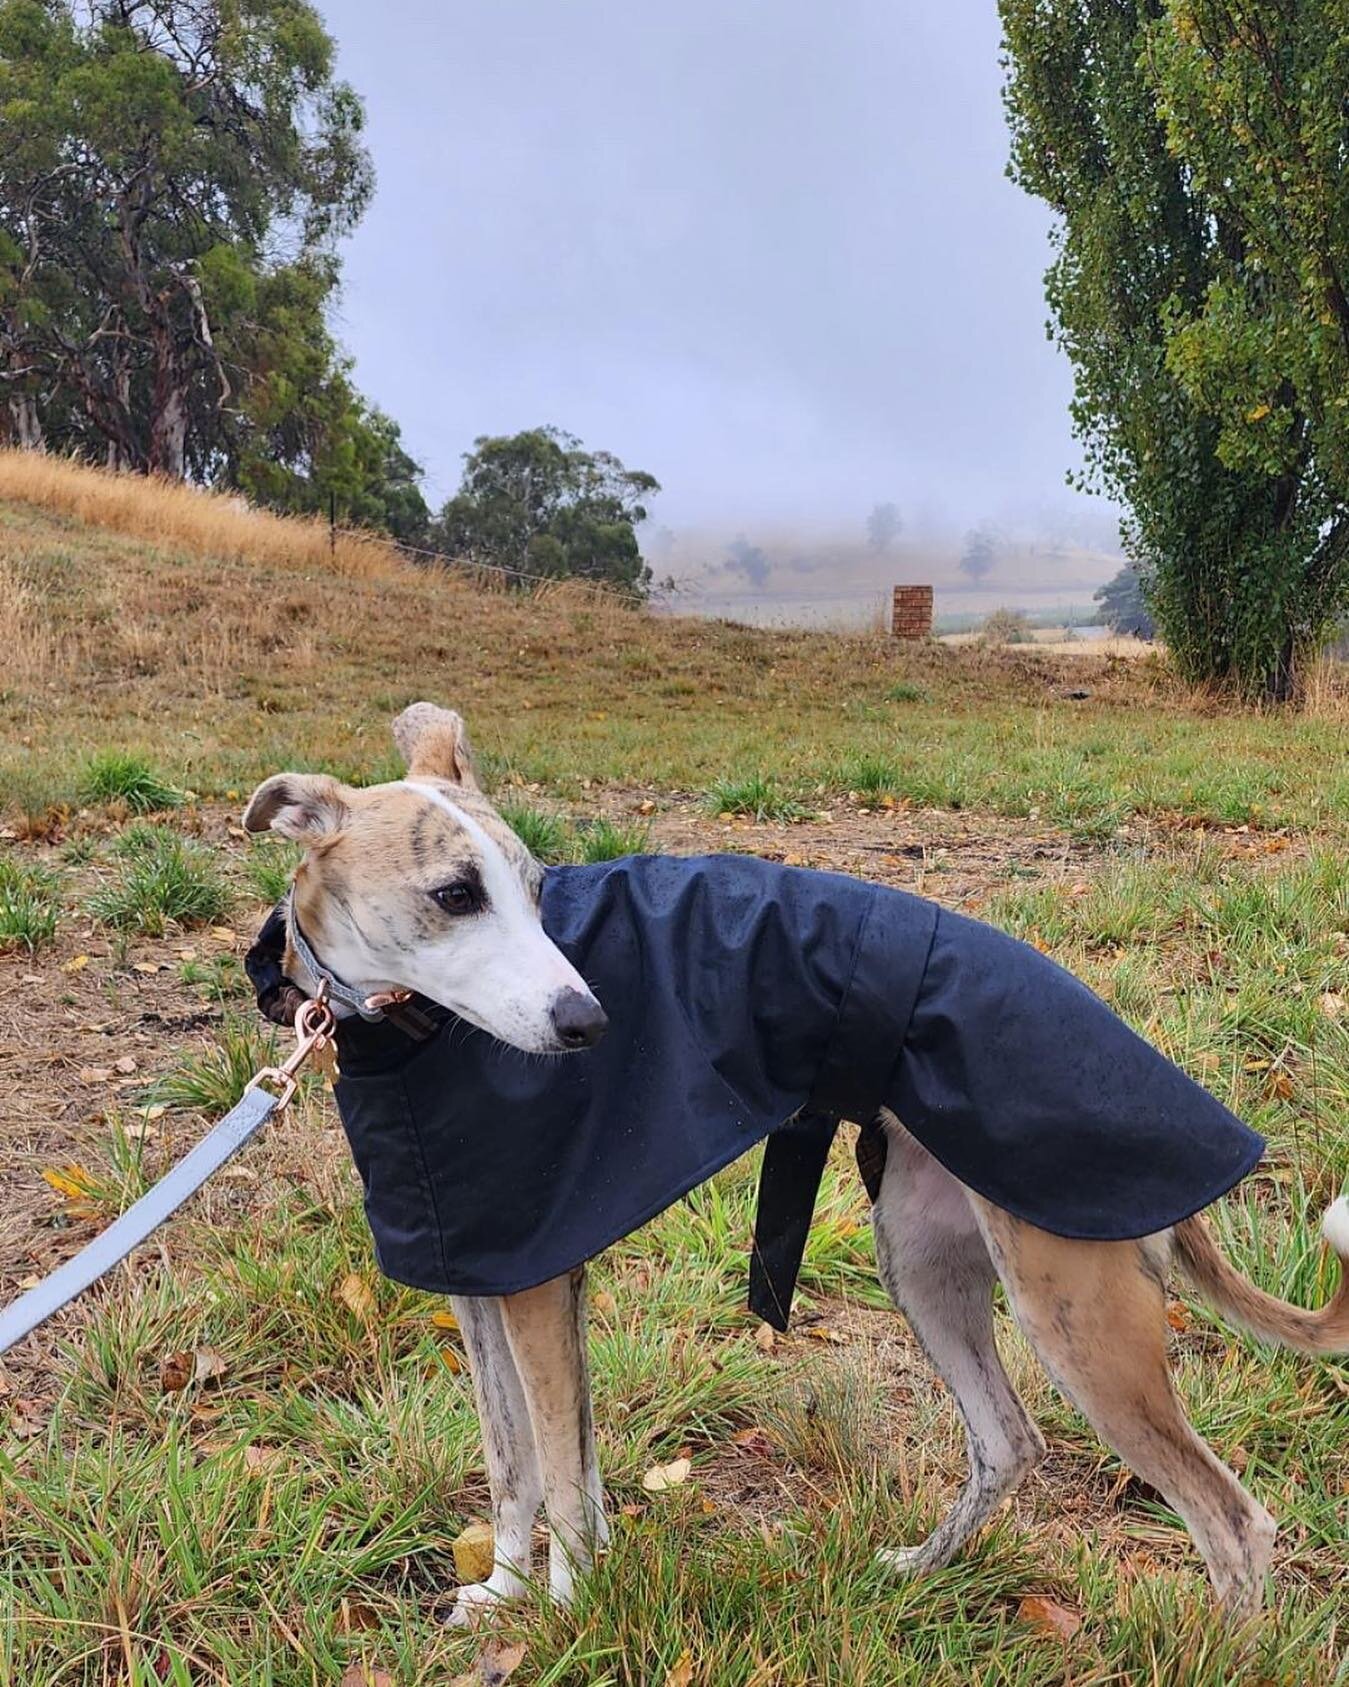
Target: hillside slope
{"x":224,"y":644}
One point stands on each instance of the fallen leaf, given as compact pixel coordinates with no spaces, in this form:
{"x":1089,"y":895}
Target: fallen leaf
{"x":497,"y":1661}
{"x":25,"y":1419}
{"x":822,"y":1332}
{"x":445,"y":1320}
{"x":357,"y":1295}
{"x":1047,"y":1616}
{"x":148,"y":968}
{"x":71,"y":1181}
{"x":208,"y":1366}
{"x":474,"y":1552}
{"x":1279,"y":1087}
{"x":766,"y":1338}
{"x":757,"y":1443}
{"x":261,"y":1461}
{"x":663,"y":1476}
{"x":222,"y":934}
{"x":451,"y":1360}
{"x":176,"y":1371}
{"x":76,"y":963}
{"x":95,"y":1074}
{"x":682,"y":1673}
{"x":1332,"y":1004}
{"x":362,"y":1674}
{"x":354,"y":1616}
{"x":126,"y":1064}
{"x":157,"y":1111}
{"x":1178,"y":1315}
{"x":605,"y":1304}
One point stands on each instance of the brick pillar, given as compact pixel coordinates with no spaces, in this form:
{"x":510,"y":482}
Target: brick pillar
{"x":912,"y":616}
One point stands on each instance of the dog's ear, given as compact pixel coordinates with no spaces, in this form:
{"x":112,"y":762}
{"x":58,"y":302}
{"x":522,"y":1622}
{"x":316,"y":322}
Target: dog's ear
{"x":303,"y":806}
{"x":434,"y":744}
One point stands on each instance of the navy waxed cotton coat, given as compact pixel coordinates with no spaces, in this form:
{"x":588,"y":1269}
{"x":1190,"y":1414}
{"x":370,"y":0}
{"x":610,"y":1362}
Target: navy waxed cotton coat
{"x":738,"y":993}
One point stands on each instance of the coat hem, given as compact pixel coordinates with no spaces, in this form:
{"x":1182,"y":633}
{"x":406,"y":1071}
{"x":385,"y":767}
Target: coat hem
{"x":535,"y":1278}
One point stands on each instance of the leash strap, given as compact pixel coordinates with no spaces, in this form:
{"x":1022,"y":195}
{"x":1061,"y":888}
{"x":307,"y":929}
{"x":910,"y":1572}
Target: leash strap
{"x":140,"y":1220}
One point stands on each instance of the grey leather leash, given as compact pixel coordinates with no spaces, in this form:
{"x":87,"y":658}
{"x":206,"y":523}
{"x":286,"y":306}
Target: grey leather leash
{"x":313,"y":1028}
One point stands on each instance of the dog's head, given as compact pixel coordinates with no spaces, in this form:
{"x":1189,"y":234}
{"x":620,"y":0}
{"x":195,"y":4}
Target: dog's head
{"x":420,"y":885}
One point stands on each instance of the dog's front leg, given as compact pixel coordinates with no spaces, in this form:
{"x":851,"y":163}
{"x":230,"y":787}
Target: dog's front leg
{"x":508,"y":1447}
{"x":546,"y":1331}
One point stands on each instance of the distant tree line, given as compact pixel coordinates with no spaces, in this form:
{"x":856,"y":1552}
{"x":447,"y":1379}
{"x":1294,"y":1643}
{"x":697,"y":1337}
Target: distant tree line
{"x":174,"y":177}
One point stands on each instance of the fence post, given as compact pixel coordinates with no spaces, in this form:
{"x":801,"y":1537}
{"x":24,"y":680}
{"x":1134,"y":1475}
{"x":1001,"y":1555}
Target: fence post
{"x":911,"y":617}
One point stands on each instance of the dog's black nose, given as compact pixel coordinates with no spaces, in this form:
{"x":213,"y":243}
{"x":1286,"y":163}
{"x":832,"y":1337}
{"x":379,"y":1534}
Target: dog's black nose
{"x":578,"y":1020}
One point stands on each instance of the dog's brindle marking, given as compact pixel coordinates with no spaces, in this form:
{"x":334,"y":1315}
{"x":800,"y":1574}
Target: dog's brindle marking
{"x":1094,"y":1312}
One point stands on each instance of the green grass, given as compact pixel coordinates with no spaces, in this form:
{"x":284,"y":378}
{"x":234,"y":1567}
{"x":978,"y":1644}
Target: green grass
{"x":212,"y":1079}
{"x":756,"y":796}
{"x":270,"y":865}
{"x":544,"y":835}
{"x":607,"y":840}
{"x":160,"y":879}
{"x":114,"y":776}
{"x":29,"y":906}
{"x":907,"y":692}
{"x":551,"y":838}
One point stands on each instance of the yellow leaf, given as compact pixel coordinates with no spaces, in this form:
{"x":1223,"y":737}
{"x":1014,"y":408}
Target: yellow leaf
{"x":682,"y":1673}
{"x":222,"y":934}
{"x":71,"y":1181}
{"x":663,"y":1476}
{"x":822,"y":1332}
{"x":1258,"y":414}
{"x":474,"y":1552}
{"x":445,"y":1320}
{"x":451,"y":1361}
{"x":356,"y":1295}
{"x":148,"y":968}
{"x":77,"y":963}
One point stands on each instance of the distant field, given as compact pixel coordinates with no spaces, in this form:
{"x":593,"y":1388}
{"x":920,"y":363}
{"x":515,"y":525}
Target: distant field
{"x":287,"y":1517}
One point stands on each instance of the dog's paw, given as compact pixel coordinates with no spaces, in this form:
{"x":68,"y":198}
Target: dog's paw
{"x":475,"y":1604}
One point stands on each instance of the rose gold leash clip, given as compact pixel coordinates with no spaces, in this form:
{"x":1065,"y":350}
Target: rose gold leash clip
{"x":314,"y":1027}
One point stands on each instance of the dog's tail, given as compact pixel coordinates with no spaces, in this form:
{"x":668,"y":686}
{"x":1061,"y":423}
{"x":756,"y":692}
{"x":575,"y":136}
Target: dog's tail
{"x":1266,"y":1316}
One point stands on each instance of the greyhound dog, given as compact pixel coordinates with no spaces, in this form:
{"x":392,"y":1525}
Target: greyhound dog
{"x":419,"y":886}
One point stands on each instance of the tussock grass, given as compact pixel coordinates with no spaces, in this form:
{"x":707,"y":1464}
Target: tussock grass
{"x":184,"y":518}
{"x":114,"y":777}
{"x":755,"y":795}
{"x":159,"y":879}
{"x":550,"y":838}
{"x":29,"y":906}
{"x":212,"y":1079}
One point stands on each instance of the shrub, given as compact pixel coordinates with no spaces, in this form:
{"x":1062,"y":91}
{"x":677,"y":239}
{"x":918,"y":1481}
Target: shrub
{"x":28,"y":906}
{"x":1006,"y":626}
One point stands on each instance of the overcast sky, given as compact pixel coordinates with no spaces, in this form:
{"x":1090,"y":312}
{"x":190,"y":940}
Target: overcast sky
{"x":764,"y":249}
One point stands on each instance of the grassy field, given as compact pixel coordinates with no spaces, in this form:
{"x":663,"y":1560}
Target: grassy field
{"x":245,"y":1459}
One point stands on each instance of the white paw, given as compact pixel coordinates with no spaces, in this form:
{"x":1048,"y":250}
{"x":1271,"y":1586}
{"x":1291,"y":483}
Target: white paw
{"x":475,"y":1602}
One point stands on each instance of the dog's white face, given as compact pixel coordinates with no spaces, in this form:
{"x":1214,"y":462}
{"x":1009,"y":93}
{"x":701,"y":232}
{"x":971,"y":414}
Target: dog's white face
{"x":420,"y":885}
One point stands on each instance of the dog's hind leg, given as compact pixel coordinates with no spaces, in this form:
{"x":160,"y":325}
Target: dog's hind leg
{"x":935,"y":1266}
{"x":1095,"y":1312}
{"x":508,"y":1447}
{"x":546,"y":1330}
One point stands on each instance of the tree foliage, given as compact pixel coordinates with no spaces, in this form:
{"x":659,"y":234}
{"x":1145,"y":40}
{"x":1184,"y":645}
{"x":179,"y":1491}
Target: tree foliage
{"x":173,"y":177}
{"x":538,"y":503}
{"x":1195,"y":155}
{"x":980,"y":554}
{"x":1124,"y":605}
{"x":884,"y":526}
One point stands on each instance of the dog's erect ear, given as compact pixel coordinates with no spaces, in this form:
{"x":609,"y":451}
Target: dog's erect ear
{"x":434,"y":743}
{"x":303,"y":806}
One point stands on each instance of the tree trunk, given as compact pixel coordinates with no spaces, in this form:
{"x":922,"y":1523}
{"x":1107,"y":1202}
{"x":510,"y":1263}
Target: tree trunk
{"x":1281,"y":682}
{"x":168,"y":423}
{"x":25,"y":425}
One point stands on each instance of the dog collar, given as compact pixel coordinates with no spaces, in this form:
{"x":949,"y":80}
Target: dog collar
{"x":339,"y":991}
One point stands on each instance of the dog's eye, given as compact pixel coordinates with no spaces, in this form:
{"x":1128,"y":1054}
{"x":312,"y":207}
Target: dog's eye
{"x":461,"y":897}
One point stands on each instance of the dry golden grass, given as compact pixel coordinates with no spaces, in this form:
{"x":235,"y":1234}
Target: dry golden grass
{"x":185,"y":518}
